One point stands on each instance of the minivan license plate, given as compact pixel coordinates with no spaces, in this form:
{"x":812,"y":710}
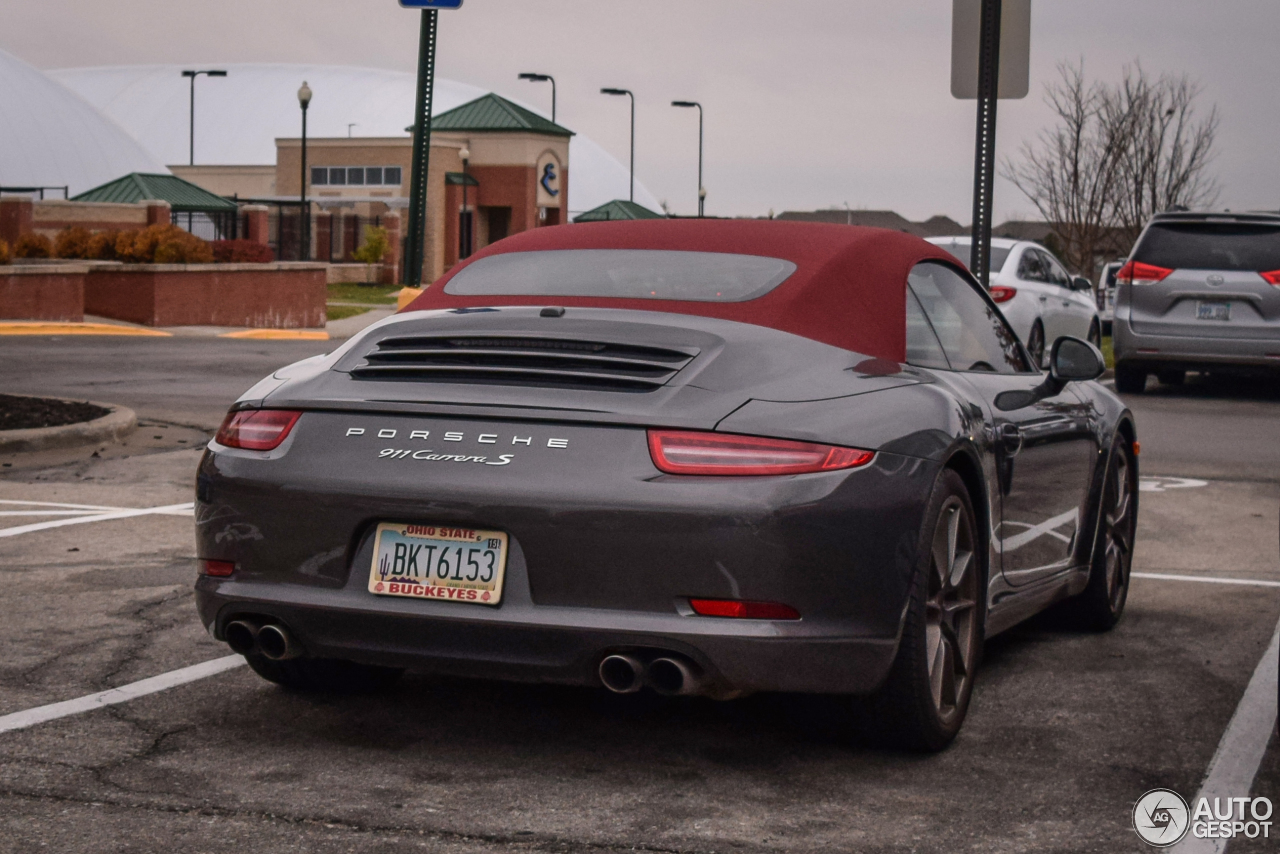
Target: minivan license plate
{"x":1213,"y":311}
{"x":439,"y":562}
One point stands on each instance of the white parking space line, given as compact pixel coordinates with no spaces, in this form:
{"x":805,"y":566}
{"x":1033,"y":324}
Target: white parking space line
{"x":53,"y":504}
{"x":186,"y":509}
{"x":50,"y":512}
{"x":1240,"y":751}
{"x":123,"y":694}
{"x":1205,"y":579}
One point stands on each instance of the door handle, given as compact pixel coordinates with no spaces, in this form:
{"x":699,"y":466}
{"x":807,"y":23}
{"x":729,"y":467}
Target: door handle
{"x":1011,"y":438}
{"x":1043,"y":298}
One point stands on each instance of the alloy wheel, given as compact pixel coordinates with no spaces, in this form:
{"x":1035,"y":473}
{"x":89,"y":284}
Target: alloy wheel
{"x":1118,"y":521}
{"x":951,"y":622}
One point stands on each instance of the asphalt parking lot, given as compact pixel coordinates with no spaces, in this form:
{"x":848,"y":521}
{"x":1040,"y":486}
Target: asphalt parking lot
{"x":1066,"y":730}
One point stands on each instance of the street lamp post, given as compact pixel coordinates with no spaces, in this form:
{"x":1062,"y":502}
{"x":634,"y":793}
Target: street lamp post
{"x":628,"y":93}
{"x":193,"y":75}
{"x":702,"y":191}
{"x":544,"y":78}
{"x":304,"y":241}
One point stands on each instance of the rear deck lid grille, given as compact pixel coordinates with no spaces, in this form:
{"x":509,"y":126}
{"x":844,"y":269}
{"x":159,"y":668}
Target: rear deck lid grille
{"x":524,"y":361}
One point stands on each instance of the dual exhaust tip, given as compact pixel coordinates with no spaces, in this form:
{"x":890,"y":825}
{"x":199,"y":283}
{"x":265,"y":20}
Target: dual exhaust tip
{"x":668,"y":675}
{"x":271,"y":640}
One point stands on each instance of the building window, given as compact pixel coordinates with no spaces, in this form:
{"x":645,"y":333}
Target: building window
{"x":356,"y":176}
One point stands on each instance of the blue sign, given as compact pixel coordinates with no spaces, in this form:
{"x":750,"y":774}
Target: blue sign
{"x":431,"y":4}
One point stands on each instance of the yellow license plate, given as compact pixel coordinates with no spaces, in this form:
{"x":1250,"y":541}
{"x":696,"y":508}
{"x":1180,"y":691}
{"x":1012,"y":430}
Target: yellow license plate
{"x":439,"y":562}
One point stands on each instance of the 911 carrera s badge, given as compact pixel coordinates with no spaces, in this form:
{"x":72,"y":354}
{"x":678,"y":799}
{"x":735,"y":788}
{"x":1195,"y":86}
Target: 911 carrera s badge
{"x":439,"y":562}
{"x":432,"y":456}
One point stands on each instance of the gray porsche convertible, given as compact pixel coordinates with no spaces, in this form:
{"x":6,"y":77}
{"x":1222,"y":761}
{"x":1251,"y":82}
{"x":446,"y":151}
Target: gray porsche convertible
{"x":699,"y":457}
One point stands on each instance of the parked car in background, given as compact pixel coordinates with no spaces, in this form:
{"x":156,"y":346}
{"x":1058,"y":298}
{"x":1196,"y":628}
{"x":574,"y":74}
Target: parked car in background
{"x":1201,"y":291}
{"x":1106,"y":292}
{"x":1039,"y":298}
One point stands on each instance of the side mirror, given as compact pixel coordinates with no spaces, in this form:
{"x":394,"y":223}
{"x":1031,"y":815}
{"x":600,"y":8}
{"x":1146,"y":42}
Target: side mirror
{"x":1080,"y":283}
{"x":1070,"y":360}
{"x":1074,"y":360}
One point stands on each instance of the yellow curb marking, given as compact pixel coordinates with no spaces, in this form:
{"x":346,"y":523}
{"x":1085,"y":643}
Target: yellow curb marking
{"x":279,"y":334}
{"x":78,"y":329}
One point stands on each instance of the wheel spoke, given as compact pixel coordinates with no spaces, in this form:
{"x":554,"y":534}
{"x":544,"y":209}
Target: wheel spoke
{"x":937,"y":671}
{"x":948,"y":692}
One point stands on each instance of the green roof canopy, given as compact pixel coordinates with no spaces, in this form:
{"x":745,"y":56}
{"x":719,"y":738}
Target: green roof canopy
{"x":492,"y":113}
{"x":617,"y":209}
{"x":182,"y":196}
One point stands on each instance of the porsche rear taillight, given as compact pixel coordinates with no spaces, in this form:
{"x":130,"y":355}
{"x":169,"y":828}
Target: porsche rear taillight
{"x":1137,"y":273}
{"x":688,"y":452}
{"x":743,"y":610}
{"x":256,"y":429}
{"x":1272,"y":277}
{"x":1003,"y":293}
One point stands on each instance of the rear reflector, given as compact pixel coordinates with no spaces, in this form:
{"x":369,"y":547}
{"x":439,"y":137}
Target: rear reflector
{"x":1272,"y":277}
{"x":256,"y":429}
{"x":218,"y":568}
{"x":684,"y":452}
{"x":743,"y":610}
{"x":1003,"y":293}
{"x":1137,"y":273}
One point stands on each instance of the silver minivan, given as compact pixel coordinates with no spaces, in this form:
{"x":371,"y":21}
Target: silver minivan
{"x":1200,"y":291}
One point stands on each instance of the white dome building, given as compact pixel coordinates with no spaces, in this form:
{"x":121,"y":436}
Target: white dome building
{"x":51,"y":137}
{"x":239,"y":117}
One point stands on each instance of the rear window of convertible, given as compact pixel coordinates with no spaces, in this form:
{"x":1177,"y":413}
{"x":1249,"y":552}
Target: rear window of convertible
{"x":623,"y":274}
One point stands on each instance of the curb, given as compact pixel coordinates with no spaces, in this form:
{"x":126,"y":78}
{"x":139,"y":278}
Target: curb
{"x":115,"y":425}
{"x":71,"y":328}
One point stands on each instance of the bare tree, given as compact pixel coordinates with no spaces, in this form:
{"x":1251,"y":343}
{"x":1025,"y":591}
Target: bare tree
{"x":1114,"y":156}
{"x":1072,"y":172}
{"x":1165,"y":166}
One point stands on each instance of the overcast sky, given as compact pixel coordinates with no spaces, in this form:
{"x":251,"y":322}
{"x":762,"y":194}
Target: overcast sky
{"x":810,"y":104}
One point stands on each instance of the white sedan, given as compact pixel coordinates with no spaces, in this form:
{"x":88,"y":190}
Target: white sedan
{"x":1041,"y":301}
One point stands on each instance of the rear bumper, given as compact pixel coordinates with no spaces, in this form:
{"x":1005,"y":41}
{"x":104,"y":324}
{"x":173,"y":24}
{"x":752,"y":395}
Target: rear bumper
{"x":528,"y":643}
{"x":1155,"y":350}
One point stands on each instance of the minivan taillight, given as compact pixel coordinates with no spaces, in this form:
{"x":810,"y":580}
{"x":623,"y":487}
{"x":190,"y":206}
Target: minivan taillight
{"x":256,"y":429}
{"x":688,"y":452}
{"x":1272,"y":277}
{"x":1137,"y":273}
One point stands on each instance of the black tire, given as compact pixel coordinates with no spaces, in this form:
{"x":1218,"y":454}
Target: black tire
{"x":1035,"y":345}
{"x":1095,"y":334}
{"x":1171,"y":376}
{"x":1130,"y":380}
{"x":923,"y":703}
{"x":1101,"y":605}
{"x":329,"y":675}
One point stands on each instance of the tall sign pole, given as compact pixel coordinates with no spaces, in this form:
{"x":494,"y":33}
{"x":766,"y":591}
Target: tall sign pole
{"x":415,"y":254}
{"x":990,"y":60}
{"x":984,"y":159}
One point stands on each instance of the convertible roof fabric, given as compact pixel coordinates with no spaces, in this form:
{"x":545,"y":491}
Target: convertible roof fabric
{"x":848,"y":290}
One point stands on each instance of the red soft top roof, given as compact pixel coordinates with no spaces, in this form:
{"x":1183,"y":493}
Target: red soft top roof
{"x":849,"y":288}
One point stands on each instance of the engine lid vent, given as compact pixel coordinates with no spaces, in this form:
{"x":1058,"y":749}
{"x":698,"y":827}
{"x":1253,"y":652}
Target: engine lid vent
{"x":524,"y":361}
